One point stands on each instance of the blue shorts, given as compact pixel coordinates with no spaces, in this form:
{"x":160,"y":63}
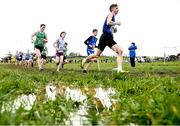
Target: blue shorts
{"x":18,"y":58}
{"x":89,"y":52}
{"x":27,"y":58}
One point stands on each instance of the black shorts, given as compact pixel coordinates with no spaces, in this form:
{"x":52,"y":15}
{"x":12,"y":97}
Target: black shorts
{"x":38,"y":47}
{"x":19,"y":58}
{"x":64,"y":58}
{"x":9,"y":58}
{"x":43,"y":56}
{"x":106,"y":39}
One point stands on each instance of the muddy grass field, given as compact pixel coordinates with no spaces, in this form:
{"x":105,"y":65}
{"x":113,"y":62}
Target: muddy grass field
{"x":148,"y":95}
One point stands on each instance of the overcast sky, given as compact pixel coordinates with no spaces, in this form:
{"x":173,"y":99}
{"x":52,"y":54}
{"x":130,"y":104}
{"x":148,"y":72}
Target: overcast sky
{"x":151,"y":24}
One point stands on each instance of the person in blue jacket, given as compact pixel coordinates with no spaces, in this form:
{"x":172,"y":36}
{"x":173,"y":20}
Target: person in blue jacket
{"x":91,"y":45}
{"x":91,"y":42}
{"x":132,"y":53}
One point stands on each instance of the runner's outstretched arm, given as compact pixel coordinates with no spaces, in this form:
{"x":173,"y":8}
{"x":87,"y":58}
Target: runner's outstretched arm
{"x":34,"y":34}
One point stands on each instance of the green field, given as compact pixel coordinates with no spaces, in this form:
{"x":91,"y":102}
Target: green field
{"x":149,"y":94}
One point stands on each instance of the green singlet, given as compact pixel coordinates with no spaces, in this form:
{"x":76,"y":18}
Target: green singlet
{"x":39,"y":39}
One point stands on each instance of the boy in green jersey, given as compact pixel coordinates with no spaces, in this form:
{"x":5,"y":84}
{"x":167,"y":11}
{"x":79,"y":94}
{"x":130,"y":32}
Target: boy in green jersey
{"x":41,"y":39}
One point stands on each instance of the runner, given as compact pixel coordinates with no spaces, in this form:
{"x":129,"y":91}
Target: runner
{"x":91,"y":42}
{"x":41,"y":39}
{"x":59,"y":45}
{"x":9,"y":57}
{"x":26,"y":57}
{"x":106,"y":39}
{"x":19,"y":56}
{"x":91,"y":45}
{"x":44,"y":55}
{"x":65,"y":61}
{"x":31,"y":62}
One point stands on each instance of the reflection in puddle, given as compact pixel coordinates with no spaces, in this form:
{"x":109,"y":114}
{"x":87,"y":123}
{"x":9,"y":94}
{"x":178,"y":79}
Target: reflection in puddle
{"x":87,"y":99}
{"x":79,"y":117}
{"x":24,"y":101}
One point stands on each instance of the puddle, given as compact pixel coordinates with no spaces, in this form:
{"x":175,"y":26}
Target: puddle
{"x":75,"y":95}
{"x":51,"y":92}
{"x":25,"y":101}
{"x":104,"y":96}
{"x":79,"y":116}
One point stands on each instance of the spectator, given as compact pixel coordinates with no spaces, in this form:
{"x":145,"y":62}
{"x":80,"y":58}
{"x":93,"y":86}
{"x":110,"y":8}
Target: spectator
{"x":132,"y":53}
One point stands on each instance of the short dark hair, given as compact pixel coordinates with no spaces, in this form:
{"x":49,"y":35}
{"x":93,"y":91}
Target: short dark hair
{"x":94,"y":30}
{"x":133,"y":43}
{"x":62,"y":33}
{"x":42,"y":25}
{"x":112,"y":6}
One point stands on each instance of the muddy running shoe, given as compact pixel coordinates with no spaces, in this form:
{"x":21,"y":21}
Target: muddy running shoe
{"x":84,"y":71}
{"x":120,"y":71}
{"x":41,"y":69}
{"x":114,"y":69}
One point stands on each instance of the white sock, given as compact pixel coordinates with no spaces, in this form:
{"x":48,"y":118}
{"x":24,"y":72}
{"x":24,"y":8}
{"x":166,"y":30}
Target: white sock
{"x":119,"y":68}
{"x":84,"y":60}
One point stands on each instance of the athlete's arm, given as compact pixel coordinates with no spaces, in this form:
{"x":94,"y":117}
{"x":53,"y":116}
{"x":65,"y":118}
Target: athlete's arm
{"x":65,"y":45}
{"x":87,"y":40}
{"x":110,"y":22}
{"x":45,"y":40}
{"x":55,"y":45}
{"x":94,"y":44}
{"x":115,"y":29}
{"x":34,"y":34}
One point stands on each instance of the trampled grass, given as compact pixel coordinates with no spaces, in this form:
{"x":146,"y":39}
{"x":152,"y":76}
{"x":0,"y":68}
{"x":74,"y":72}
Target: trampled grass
{"x":149,"y":94}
